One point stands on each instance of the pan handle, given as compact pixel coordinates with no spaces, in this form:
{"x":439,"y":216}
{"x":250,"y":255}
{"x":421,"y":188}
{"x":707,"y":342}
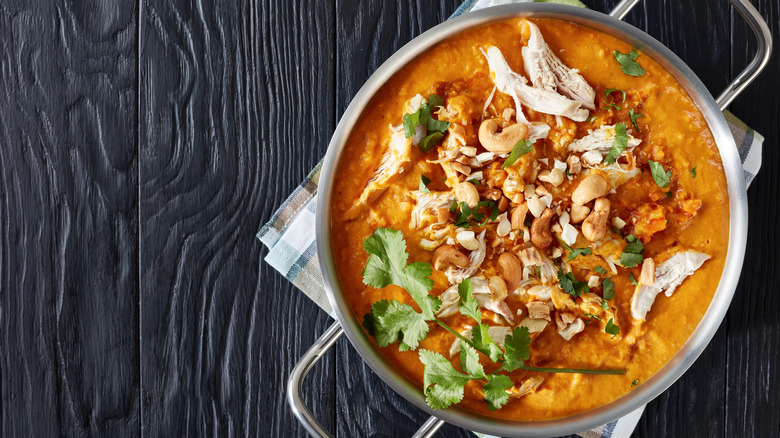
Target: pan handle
{"x":763,"y":52}
{"x":301,"y":370}
{"x":298,"y":375}
{"x":759,"y":28}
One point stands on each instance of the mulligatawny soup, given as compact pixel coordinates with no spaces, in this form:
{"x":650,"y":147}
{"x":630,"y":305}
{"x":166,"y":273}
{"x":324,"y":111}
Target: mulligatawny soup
{"x":524,"y":206}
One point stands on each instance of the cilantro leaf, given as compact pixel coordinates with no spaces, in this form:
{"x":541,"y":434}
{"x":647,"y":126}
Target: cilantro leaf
{"x":484,"y":343}
{"x":442,"y":383}
{"x":608,"y":105}
{"x":517,"y":346}
{"x":410,"y":123}
{"x":434,"y":100}
{"x":430,"y":141}
{"x":575,"y":252}
{"x":693,"y":172}
{"x":387,"y":265}
{"x":599,"y":270}
{"x":632,"y":254}
{"x":469,"y":362}
{"x":468,"y":305}
{"x":608,"y":289}
{"x":423,"y":185}
{"x":521,"y":148}
{"x":662,"y":177}
{"x":495,"y":391}
{"x":608,"y":91}
{"x":627,"y":63}
{"x":387,"y":258}
{"x":604,"y":305}
{"x":391,"y":321}
{"x":439,"y":126}
{"x":570,"y":285}
{"x":612,"y":328}
{"x":632,"y":279}
{"x":634,"y":116}
{"x":620,"y":144}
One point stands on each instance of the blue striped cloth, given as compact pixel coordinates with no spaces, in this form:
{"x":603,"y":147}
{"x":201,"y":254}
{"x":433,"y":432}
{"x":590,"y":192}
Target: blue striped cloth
{"x":290,"y":238}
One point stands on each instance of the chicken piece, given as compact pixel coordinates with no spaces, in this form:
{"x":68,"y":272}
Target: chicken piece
{"x":538,"y":99}
{"x":601,"y":140}
{"x":647,"y":220}
{"x":455,"y":274}
{"x":548,"y":72}
{"x":425,"y":217}
{"x":395,"y":161}
{"x":668,"y":275}
{"x":528,"y":386}
{"x":687,"y":208}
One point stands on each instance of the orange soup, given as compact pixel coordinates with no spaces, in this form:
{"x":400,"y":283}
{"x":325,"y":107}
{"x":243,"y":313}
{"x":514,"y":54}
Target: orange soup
{"x":554,"y":188}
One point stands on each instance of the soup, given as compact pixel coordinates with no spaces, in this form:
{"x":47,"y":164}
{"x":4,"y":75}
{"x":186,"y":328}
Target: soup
{"x":530,"y":183}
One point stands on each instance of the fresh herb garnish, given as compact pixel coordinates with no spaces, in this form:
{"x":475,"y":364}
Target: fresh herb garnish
{"x":604,"y":305}
{"x":632,"y":279}
{"x":467,"y":304}
{"x":632,"y":254}
{"x":693,"y":172}
{"x":591,"y":316}
{"x":600,"y":270}
{"x":628,"y":64}
{"x":472,"y":216}
{"x":608,"y":91}
{"x":422,"y":116}
{"x":391,"y":321}
{"x":474,"y":181}
{"x":608,"y":289}
{"x":454,"y":206}
{"x":387,"y":265}
{"x":669,"y":194}
{"x":634,"y":383}
{"x":662,"y":177}
{"x":570,"y":285}
{"x":634,"y":116}
{"x":575,"y":252}
{"x":521,"y":148}
{"x":612,"y":328}
{"x":590,"y":119}
{"x":620,"y":144}
{"x":423,"y":186}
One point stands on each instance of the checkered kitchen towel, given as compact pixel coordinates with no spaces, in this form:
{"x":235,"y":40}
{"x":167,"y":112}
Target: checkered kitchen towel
{"x":289,"y":235}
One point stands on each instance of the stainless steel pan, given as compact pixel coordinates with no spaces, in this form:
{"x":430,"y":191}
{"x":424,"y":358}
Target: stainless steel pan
{"x":710,"y":108}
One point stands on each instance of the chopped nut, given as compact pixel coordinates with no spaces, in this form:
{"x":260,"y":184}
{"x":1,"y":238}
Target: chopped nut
{"x":492,"y":194}
{"x":579,"y":213}
{"x":539,"y":310}
{"x":592,"y":158}
{"x":618,"y":223}
{"x":536,"y":206}
{"x":461,"y":168}
{"x":467,"y":240}
{"x":593,"y":281}
{"x":469,"y":151}
{"x":574,"y":165}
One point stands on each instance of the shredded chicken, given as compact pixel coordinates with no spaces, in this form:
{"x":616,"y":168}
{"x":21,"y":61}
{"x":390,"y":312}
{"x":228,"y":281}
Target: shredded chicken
{"x":548,"y":72}
{"x":395,"y":161}
{"x":481,"y":292}
{"x":455,"y":274}
{"x":601,"y":140}
{"x":528,"y":386}
{"x":668,"y":275}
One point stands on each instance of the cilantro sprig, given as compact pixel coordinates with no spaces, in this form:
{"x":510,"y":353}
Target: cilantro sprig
{"x":632,"y":254}
{"x":570,"y":285}
{"x":628,"y":64}
{"x":662,"y":177}
{"x":634,"y":116}
{"x":391,"y":321}
{"x":575,"y":252}
{"x":473,"y":216}
{"x":520,"y":148}
{"x":620,"y":144}
{"x":422,"y":117}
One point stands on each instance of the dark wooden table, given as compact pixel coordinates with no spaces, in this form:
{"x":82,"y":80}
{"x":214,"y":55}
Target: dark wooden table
{"x":143,"y":144}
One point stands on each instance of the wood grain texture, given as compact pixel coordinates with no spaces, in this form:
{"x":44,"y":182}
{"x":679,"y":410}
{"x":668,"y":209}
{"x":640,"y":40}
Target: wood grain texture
{"x":237,"y":103}
{"x":68,"y":220}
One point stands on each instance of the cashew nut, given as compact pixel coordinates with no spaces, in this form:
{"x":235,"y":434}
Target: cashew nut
{"x":501,"y":143}
{"x":497,"y":286}
{"x":466,"y":192}
{"x":595,"y":226}
{"x":541,"y":236}
{"x":579,"y":213}
{"x":503,"y":204}
{"x":590,"y":188}
{"x":574,"y":165}
{"x":511,"y":270}
{"x":493,"y":194}
{"x":647,"y":277}
{"x":518,"y":216}
{"x":554,"y":177}
{"x":447,"y":255}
